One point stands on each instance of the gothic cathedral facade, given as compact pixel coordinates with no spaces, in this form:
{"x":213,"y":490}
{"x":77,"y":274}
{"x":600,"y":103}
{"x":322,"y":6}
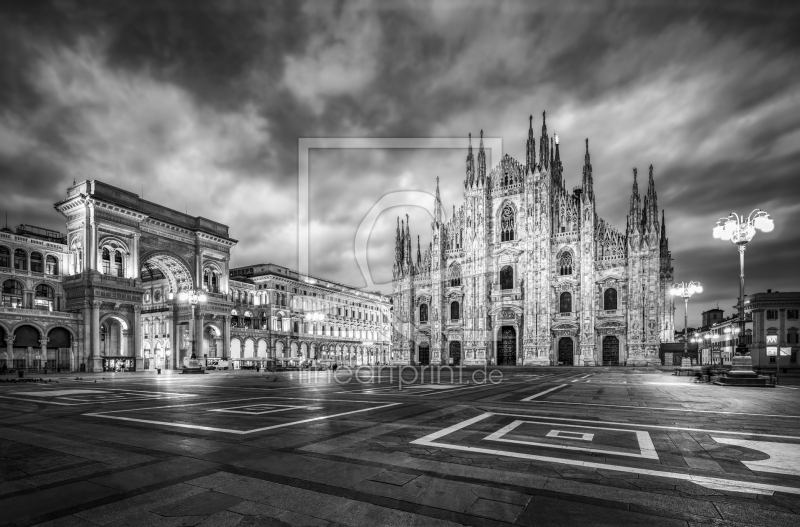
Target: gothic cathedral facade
{"x":526,"y":273}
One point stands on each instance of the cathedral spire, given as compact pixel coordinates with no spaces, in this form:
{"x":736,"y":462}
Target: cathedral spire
{"x":588,"y":183}
{"x":419,"y":254}
{"x":530,"y":157}
{"x":470,"y":165}
{"x":481,"y":162}
{"x":397,"y":246}
{"x":544,"y":151}
{"x":408,"y":243}
{"x":635,"y":214}
{"x":402,"y":243}
{"x":437,"y":205}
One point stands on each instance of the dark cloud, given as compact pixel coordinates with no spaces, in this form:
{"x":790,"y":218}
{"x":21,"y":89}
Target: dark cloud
{"x":200,"y":107}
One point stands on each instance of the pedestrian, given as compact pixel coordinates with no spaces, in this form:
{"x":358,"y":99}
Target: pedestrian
{"x":697,"y":375}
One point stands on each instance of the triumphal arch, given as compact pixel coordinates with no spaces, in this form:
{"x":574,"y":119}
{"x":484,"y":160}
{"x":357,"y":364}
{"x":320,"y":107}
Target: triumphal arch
{"x":128,"y":261}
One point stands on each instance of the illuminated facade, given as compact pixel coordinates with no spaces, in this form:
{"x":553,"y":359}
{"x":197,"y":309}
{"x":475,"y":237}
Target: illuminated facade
{"x":104,"y":296}
{"x":526,"y":272}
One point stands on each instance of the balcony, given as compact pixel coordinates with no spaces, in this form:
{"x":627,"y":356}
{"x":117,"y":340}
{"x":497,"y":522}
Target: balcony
{"x":38,"y":312}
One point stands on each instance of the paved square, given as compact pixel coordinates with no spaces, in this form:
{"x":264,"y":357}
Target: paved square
{"x":560,"y":447}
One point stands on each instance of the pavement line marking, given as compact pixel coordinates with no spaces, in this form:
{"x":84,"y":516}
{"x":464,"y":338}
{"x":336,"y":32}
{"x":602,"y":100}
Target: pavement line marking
{"x":237,"y":400}
{"x":534,"y":396}
{"x":587,"y":376}
{"x":105,"y":415}
{"x":646,"y":448}
{"x":746,"y":486}
{"x":650,"y":426}
{"x":668,"y":409}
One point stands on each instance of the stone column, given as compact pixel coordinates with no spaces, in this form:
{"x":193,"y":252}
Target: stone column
{"x":198,"y":263}
{"x":96,"y":362}
{"x":226,"y":337}
{"x":43,"y":353}
{"x":135,"y":256}
{"x":92,"y":245}
{"x":137,"y":337}
{"x":198,"y":334}
{"x":10,"y":349}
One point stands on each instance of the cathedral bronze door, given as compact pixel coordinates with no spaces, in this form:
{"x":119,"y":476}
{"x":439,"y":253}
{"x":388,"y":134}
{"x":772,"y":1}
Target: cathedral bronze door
{"x":610,"y":351}
{"x":424,"y":354}
{"x":566,"y":352}
{"x":455,"y":353}
{"x":507,"y":352}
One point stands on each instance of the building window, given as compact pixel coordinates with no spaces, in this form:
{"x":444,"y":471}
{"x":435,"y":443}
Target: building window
{"x":12,"y":293}
{"x":772,"y":359}
{"x":20,"y":260}
{"x":5,"y":257}
{"x":51,"y":265}
{"x":44,"y":297}
{"x":772,"y":314}
{"x":565,"y":303}
{"x":455,"y":311}
{"x":455,"y":275}
{"x":507,"y":278}
{"x":565,"y":264}
{"x":610,"y":299}
{"x":507,"y":223}
{"x":791,"y":314}
{"x":423,"y":313}
{"x":118,"y":264}
{"x":106,"y":262}
{"x":37,"y":264}
{"x":792,"y":336}
{"x":794,"y":356}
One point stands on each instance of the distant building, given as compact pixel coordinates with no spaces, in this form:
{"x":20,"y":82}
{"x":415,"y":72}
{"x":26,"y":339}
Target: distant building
{"x":281,"y":313}
{"x":774,"y":313}
{"x":712,"y":316}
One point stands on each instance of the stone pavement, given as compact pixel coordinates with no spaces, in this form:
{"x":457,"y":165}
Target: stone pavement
{"x":554,"y":447}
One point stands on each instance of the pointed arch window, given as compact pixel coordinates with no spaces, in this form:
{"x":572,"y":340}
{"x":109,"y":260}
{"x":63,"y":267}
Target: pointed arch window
{"x":610,"y":299}
{"x":455,"y":275}
{"x":507,"y":224}
{"x":423,"y":313}
{"x":565,"y":303}
{"x":565,"y":264}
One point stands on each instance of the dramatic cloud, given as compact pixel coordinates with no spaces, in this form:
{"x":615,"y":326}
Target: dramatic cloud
{"x":200,"y":107}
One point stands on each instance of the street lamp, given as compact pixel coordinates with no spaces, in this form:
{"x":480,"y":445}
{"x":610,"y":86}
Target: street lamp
{"x":740,"y":230}
{"x":686,"y":290}
{"x":193,"y":297}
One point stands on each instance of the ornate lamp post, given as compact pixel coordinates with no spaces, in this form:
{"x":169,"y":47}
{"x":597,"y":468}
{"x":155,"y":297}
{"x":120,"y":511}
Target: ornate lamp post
{"x":740,"y":230}
{"x":686,"y":290}
{"x":193,"y":297}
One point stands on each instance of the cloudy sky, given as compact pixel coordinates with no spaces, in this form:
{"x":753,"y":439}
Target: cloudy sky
{"x":202,"y":108}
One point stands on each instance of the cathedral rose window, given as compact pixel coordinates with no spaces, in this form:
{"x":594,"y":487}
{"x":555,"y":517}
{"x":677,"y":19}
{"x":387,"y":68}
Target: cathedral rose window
{"x":507,"y":224}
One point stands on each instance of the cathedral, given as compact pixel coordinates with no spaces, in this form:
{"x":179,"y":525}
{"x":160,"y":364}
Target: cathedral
{"x":525,"y":272}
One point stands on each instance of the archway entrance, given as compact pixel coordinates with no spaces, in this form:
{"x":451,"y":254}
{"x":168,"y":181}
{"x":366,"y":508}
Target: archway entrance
{"x":424,"y":353}
{"x":566,"y":353}
{"x":59,"y":349}
{"x":507,"y":352}
{"x":610,"y":351}
{"x":455,"y":352}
